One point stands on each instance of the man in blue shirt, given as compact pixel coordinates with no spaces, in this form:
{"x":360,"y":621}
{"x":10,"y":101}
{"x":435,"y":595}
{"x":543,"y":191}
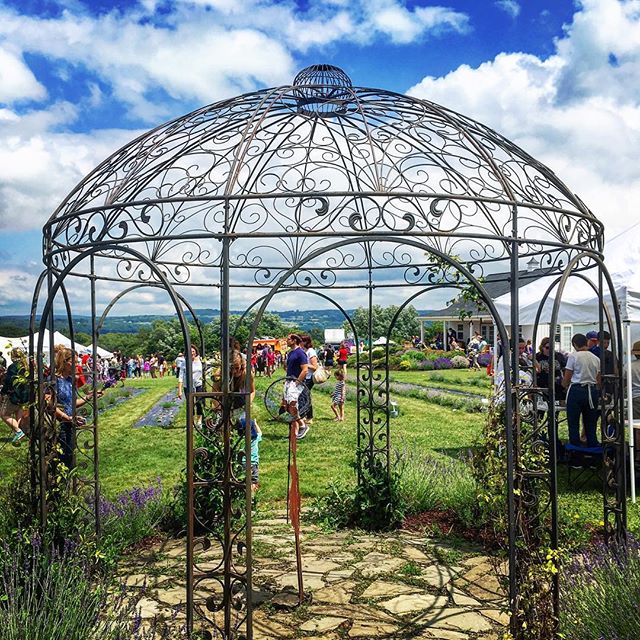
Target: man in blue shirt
{"x":297,"y":365}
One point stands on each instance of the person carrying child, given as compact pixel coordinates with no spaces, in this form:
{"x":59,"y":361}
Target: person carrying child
{"x":338,"y":396}
{"x":256,"y":437}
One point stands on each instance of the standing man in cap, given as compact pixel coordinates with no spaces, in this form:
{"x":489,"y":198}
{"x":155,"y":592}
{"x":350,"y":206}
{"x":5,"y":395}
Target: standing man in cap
{"x":635,"y":379}
{"x":602,"y":341}
{"x":592,"y":337}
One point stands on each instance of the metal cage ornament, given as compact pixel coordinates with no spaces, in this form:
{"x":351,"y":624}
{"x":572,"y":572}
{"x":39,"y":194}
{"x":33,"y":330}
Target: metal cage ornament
{"x":325,"y":188}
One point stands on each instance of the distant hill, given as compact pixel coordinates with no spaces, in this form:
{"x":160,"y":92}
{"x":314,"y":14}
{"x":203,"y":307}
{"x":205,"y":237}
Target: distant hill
{"x":18,"y":325}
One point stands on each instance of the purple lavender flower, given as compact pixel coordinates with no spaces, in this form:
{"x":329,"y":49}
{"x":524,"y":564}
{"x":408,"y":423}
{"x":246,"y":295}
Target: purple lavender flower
{"x":442,"y":363}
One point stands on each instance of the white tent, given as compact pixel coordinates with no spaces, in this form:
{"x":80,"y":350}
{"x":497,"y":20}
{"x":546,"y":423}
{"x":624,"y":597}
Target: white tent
{"x":6,"y":344}
{"x":580,"y":305}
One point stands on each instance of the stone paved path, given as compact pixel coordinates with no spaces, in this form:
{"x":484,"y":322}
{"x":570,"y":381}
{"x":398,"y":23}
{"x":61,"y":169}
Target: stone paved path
{"x":394,"y":586}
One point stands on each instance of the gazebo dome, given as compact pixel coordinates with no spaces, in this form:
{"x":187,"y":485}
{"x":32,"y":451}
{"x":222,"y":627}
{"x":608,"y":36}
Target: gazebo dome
{"x":322,"y":159}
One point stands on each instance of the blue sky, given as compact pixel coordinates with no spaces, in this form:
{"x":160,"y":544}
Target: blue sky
{"x":80,"y":78}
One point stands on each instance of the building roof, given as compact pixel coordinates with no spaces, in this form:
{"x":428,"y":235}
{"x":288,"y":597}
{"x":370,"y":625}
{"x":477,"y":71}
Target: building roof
{"x":495,"y":284}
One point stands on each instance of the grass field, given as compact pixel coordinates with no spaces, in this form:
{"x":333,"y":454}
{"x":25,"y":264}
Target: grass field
{"x":134,"y":457}
{"x":468,"y":380}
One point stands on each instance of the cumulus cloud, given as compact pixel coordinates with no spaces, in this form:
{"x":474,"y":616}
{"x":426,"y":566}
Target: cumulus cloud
{"x":17,"y":82}
{"x":40,"y":162}
{"x":578,"y":110}
{"x":512,"y":7}
{"x":207,"y":50}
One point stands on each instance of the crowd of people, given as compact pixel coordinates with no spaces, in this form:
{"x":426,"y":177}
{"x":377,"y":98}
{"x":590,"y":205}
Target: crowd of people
{"x":581,"y":380}
{"x":577,"y":380}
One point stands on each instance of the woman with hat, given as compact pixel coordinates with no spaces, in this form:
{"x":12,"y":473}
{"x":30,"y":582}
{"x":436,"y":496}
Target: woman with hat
{"x":635,"y":379}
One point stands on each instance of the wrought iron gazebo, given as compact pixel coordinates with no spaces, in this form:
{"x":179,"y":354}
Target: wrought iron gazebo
{"x":343,"y":193}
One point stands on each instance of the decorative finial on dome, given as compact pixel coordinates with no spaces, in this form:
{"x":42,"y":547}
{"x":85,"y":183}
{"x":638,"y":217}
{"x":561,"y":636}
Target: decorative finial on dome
{"x":322,"y":89}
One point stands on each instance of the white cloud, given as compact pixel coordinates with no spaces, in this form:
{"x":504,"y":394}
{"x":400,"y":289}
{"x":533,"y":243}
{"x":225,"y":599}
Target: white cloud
{"x":207,"y":50}
{"x":512,"y":7}
{"x":39,"y":166}
{"x":575,"y":111}
{"x":403,"y":25}
{"x":17,"y":82}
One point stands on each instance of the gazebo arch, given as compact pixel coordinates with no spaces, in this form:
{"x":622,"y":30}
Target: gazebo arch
{"x":322,"y":186}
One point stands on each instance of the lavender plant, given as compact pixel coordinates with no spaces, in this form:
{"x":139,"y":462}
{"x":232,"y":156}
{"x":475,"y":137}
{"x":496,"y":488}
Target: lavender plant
{"x":55,"y":594}
{"x":600,"y":594}
{"x":437,"y":482}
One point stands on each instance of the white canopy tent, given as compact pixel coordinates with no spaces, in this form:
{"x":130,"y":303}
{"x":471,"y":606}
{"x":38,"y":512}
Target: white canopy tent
{"x":6,"y":344}
{"x":580,"y":305}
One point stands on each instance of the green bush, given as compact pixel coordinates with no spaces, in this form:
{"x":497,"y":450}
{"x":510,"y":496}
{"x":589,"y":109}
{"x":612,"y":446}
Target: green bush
{"x":460,"y":362}
{"x":436,"y":482}
{"x":376,"y":504}
{"x":378,"y":352}
{"x":55,"y":594}
{"x":414,"y":355}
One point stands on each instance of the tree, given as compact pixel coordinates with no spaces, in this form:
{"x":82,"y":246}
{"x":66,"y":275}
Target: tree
{"x":432,"y":330}
{"x":271,"y":326}
{"x":406,"y":326}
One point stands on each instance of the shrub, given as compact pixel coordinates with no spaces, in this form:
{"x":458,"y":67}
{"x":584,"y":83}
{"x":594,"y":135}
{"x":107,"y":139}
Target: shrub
{"x":405,"y":365}
{"x":377,"y":352}
{"x":377,"y":504}
{"x":413,"y":354}
{"x":425,"y":365}
{"x":460,"y":362}
{"x":442,"y":363}
{"x":130,"y":517}
{"x":56,"y":595}
{"x":600,"y":591}
{"x":436,"y":482}
{"x":434,"y":354}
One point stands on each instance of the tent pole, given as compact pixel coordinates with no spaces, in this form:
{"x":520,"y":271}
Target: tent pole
{"x":632,"y":466}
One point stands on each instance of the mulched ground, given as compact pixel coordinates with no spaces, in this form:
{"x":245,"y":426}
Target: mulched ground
{"x":447,"y":523}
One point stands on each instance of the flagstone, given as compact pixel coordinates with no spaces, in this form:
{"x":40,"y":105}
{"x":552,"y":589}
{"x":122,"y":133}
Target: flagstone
{"x":461,"y":599}
{"x":340,"y":593}
{"x":436,"y":576}
{"x":267,"y":626}
{"x":173,"y":596}
{"x":148,"y":608}
{"x":496,"y":616}
{"x":443,"y":634}
{"x":461,"y":620}
{"x":318,"y":565}
{"x":339,"y":574}
{"x":416,"y":555}
{"x":370,"y":629}
{"x":319,"y":625}
{"x":415,"y":602}
{"x":311,"y":581}
{"x":382,"y":589}
{"x":376,"y":564}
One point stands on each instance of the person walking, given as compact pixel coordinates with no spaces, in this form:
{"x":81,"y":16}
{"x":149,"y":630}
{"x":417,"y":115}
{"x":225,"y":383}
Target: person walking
{"x":15,"y":395}
{"x":312,"y":365}
{"x":297,"y":365}
{"x":196,"y":381}
{"x":338,"y":396}
{"x":343,"y":354}
{"x":180,"y":364}
{"x":65,"y":409}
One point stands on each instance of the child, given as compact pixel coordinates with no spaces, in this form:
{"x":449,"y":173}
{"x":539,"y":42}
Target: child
{"x":256,"y":437}
{"x":338,"y":396}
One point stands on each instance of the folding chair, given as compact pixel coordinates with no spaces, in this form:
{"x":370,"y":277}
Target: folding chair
{"x":583,"y":465}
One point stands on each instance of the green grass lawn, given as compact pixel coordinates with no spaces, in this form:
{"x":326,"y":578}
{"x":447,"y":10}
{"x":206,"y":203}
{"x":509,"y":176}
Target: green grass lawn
{"x":469,"y":380}
{"x":135,"y":457}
